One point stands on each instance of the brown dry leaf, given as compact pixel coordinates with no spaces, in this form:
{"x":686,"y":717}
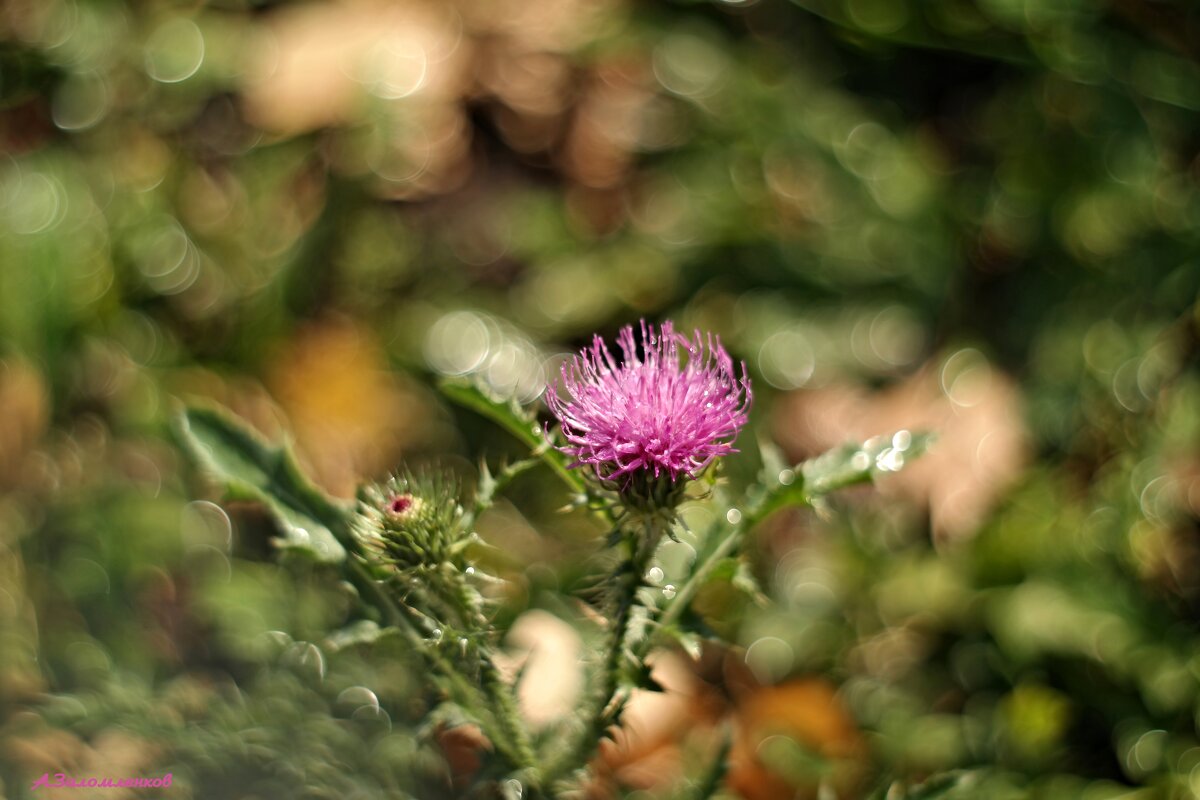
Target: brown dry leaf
{"x":316,"y":63}
{"x":807,"y":711}
{"x":642,"y":753}
{"x":608,"y":123}
{"x":658,"y":729}
{"x":647,"y":751}
{"x":401,"y":67}
{"x":463,"y":746}
{"x":26,"y":403}
{"x":408,"y":68}
{"x":44,"y":749}
{"x":974,"y":409}
{"x":551,"y":653}
{"x":349,"y":413}
{"x":534,"y":83}
{"x":25,"y":399}
{"x":119,"y":754}
{"x":550,"y":25}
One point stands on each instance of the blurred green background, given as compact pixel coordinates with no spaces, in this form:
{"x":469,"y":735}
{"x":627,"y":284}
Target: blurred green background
{"x":979,"y":217}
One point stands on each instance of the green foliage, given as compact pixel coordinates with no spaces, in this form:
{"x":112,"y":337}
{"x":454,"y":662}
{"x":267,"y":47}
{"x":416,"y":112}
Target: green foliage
{"x":247,"y":468}
{"x":516,"y":421}
{"x":411,"y":536}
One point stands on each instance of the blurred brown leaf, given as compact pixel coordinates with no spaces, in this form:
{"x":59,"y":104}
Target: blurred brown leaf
{"x":317,"y":62}
{"x":349,"y":412}
{"x":112,"y":754}
{"x":25,"y":399}
{"x":648,"y":750}
{"x":608,"y":121}
{"x":550,"y":25}
{"x":809,"y":712}
{"x":550,"y":653}
{"x":973,"y":408}
{"x":462,"y":746}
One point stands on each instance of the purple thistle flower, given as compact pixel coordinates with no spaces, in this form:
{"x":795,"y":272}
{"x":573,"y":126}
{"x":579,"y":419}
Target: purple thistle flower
{"x":651,"y":413}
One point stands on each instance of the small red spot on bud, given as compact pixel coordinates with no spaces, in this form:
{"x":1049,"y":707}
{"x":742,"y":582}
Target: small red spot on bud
{"x":400,"y":503}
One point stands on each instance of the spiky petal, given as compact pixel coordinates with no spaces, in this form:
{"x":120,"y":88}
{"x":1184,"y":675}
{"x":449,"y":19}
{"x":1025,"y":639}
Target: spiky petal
{"x":652,"y":412}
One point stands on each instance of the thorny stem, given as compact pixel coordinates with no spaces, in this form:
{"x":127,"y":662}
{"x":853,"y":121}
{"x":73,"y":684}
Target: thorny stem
{"x":608,"y":702}
{"x":504,"y":707}
{"x":508,"y":745}
{"x":504,"y":703}
{"x":396,"y":618}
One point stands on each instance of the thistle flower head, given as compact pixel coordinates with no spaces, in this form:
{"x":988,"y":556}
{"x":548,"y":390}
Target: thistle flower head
{"x":412,"y":521}
{"x":656,"y":413}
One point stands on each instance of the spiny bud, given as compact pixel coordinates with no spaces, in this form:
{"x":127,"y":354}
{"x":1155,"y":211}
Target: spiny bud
{"x":412,"y":520}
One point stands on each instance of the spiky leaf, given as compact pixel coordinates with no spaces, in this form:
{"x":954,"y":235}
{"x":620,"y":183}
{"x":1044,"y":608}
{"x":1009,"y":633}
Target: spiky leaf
{"x":247,"y":467}
{"x":519,"y":422}
{"x":852,"y":464}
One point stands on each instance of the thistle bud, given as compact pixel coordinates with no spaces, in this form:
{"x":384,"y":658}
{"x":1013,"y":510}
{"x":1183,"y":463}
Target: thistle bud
{"x":412,"y":521}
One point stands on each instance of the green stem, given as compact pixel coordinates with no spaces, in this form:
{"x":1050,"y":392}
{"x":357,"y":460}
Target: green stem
{"x":607,"y":703}
{"x":460,"y":688}
{"x":364,"y":582}
{"x":500,"y":693}
{"x":717,"y":549}
{"x":710,"y":782}
{"x":508,"y":716}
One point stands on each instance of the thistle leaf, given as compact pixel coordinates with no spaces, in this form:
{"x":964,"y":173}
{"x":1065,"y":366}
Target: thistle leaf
{"x":641,"y":678}
{"x":690,"y":641}
{"x":361,"y":632}
{"x":248,"y":468}
{"x":852,"y":464}
{"x":849,"y":465}
{"x":489,"y":486}
{"x":943,"y":785}
{"x":518,"y":421}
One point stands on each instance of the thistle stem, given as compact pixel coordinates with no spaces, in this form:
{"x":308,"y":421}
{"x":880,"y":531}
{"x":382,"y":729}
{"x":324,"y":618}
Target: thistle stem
{"x":500,"y":693}
{"x":507,"y":735}
{"x":721,"y":548}
{"x":508,"y":717}
{"x":510,"y":736}
{"x":715,"y":550}
{"x":710,"y":781}
{"x":607,"y":703}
